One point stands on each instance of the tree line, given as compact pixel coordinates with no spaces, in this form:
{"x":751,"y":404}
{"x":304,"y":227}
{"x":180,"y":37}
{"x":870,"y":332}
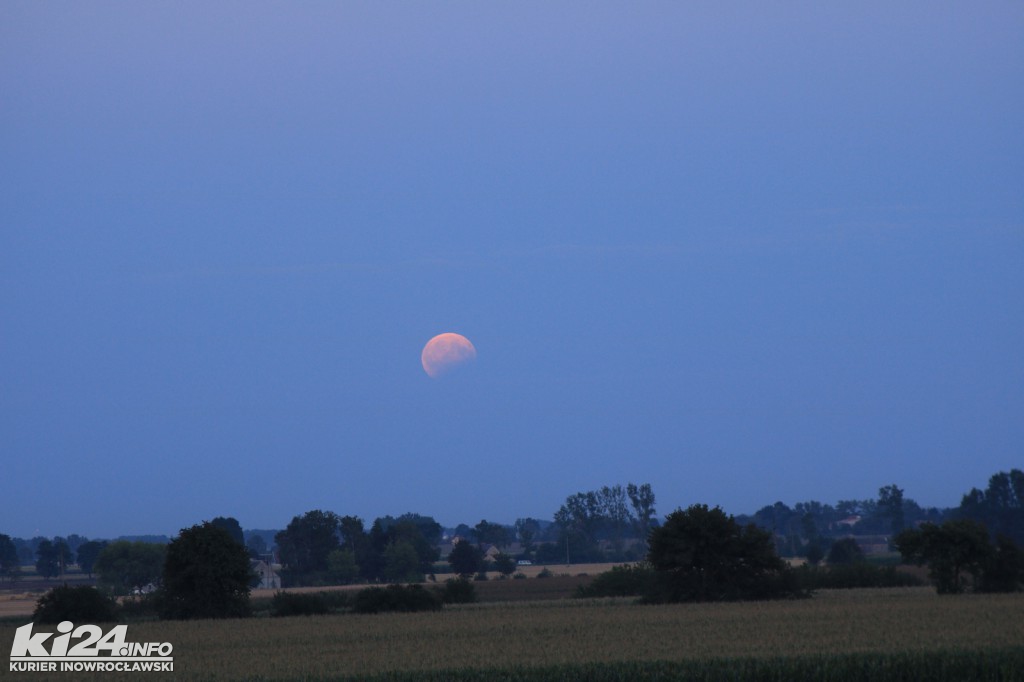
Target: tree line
{"x":697,"y":554}
{"x":612,"y":523}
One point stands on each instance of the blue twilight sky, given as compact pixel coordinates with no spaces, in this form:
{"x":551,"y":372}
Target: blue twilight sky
{"x":745,"y":252}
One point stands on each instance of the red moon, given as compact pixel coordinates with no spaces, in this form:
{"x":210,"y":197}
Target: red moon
{"x":446,"y":352}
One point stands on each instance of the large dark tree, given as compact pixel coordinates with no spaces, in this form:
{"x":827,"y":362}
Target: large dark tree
{"x":1004,"y":571}
{"x":492,"y":533}
{"x":9,"y":563}
{"x":124,"y":566}
{"x":527,"y":530}
{"x":305,"y":545}
{"x":504,"y":564}
{"x":206,"y":575}
{"x":890,"y":504}
{"x":845,"y":551}
{"x":1000,"y":506}
{"x":465,"y":558}
{"x":355,"y":540}
{"x":407,"y":529}
{"x":641,"y":497}
{"x":952,"y":551}
{"x":231,"y":525}
{"x":88,"y":552}
{"x":702,"y":554}
{"x":53,"y":558}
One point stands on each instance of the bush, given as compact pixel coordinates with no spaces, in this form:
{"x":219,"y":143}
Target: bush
{"x":298,"y":604}
{"x":395,"y":598}
{"x":545,"y":573}
{"x":622,"y":581}
{"x":845,"y":551}
{"x":76,"y":604}
{"x":139,"y":608}
{"x":851,"y":576}
{"x":458,"y":591}
{"x":519,"y":576}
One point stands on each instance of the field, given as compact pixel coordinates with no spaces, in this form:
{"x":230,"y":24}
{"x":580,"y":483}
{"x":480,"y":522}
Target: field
{"x":508,"y":635}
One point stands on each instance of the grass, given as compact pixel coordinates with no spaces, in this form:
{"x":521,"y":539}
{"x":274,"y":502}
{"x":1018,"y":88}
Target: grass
{"x":847,"y":628}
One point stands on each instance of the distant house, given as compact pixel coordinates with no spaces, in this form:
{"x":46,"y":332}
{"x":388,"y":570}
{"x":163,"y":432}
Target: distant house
{"x":849,"y":521}
{"x":269,"y":579}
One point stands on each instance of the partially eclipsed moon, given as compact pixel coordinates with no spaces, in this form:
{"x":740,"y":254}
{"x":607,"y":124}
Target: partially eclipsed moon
{"x":446,"y":352}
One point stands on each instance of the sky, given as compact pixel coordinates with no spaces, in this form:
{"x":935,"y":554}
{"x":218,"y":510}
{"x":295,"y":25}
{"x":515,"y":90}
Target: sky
{"x":745,"y":252}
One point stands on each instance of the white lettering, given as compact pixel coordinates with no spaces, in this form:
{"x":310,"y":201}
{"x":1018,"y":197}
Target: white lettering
{"x":33,"y":666}
{"x":27,"y":644}
{"x":60,"y":644}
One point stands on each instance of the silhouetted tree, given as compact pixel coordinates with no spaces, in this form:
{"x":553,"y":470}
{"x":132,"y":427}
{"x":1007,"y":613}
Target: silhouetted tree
{"x":402,"y":563}
{"x":526,"y":530}
{"x":702,"y":554}
{"x":53,"y":557}
{"x":87,"y":554}
{"x":491,"y":533}
{"x":304,"y":545}
{"x":1000,"y":507}
{"x":464,"y":558}
{"x":642,"y":499}
{"x":124,"y":566}
{"x":257,"y":546}
{"x":504,"y":564}
{"x":387,"y":531}
{"x":951,"y":550}
{"x":890,"y":503}
{"x":233,"y":528}
{"x":206,"y":575}
{"x":342,"y":567}
{"x":845,"y":551}
{"x":1004,"y":571}
{"x":9,"y":563}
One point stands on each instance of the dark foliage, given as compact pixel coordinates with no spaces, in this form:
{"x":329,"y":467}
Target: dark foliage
{"x":307,"y":604}
{"x":206,"y":575}
{"x":465,"y":558}
{"x":953,"y":551}
{"x":458,"y":591}
{"x":1004,"y":570}
{"x":702,"y":554}
{"x":138,"y":608}
{"x":88,"y":552}
{"x":960,"y":557}
{"x":1000,"y":507}
{"x":233,"y":528}
{"x":124,"y":567}
{"x":76,"y":604}
{"x":632,"y":580}
{"x":845,"y":551}
{"x":849,"y":576}
{"x":395,"y":598}
{"x":305,"y":545}
{"x":504,"y":564}
{"x":9,"y":563}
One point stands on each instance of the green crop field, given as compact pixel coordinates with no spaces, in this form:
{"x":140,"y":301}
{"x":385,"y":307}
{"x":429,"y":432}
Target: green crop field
{"x":848,"y":634}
